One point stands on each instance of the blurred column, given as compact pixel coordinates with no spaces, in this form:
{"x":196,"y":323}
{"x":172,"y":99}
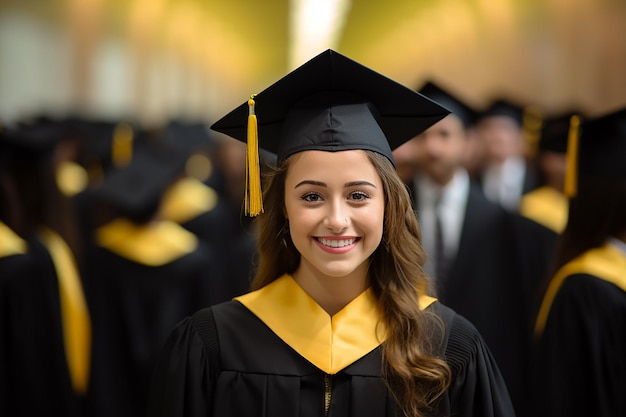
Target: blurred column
{"x":84,"y":24}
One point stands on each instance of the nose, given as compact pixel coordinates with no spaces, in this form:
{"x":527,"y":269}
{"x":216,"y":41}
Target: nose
{"x":338,"y":217}
{"x":433,"y":144}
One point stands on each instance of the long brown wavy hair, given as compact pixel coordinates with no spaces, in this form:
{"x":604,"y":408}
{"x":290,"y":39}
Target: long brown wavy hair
{"x":413,"y":369}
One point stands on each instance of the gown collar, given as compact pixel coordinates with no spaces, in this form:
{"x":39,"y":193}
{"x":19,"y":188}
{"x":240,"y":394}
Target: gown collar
{"x":153,"y":244}
{"x":10,"y":242}
{"x":606,"y":262}
{"x":329,"y":343}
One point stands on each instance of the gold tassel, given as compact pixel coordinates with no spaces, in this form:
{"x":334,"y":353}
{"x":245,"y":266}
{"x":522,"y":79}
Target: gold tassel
{"x":571,"y":173}
{"x":122,"y":147}
{"x":254,"y":197}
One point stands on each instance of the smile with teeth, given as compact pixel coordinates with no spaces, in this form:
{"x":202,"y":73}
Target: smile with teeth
{"x":336,"y":243}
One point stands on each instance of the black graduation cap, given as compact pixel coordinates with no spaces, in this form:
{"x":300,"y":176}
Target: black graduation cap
{"x":187,"y":135}
{"x":556,"y":131}
{"x":31,"y":142}
{"x":330,"y":103}
{"x":504,"y":107}
{"x":602,"y":149}
{"x":450,"y":101}
{"x":138,"y":186}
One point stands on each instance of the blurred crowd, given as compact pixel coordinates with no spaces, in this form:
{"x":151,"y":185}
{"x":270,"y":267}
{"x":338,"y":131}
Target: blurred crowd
{"x":111,"y":233}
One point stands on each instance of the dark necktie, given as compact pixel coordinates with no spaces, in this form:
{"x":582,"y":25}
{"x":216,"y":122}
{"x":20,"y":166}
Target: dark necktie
{"x":440,"y":257}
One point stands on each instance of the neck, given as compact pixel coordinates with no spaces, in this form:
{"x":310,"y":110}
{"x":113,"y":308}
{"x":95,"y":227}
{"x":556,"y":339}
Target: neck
{"x":330,"y":292}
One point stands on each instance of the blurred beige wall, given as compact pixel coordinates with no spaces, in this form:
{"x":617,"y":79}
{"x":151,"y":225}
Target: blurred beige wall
{"x":155,"y":59}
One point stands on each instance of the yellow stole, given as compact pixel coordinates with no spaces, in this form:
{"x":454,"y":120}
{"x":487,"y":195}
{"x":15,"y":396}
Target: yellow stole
{"x":607,"y":263}
{"x":154,"y":244}
{"x":74,"y":311}
{"x":330,"y":343}
{"x":10,"y":242}
{"x":546,"y":206}
{"x":186,"y":199}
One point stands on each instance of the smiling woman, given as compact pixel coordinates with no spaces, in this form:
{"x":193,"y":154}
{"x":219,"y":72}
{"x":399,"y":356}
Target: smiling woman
{"x":340,"y":320}
{"x":334,"y":205}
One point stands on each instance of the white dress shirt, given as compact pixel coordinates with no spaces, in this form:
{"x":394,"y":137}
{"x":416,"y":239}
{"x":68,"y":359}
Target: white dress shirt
{"x":504,"y":183}
{"x":451,"y":211}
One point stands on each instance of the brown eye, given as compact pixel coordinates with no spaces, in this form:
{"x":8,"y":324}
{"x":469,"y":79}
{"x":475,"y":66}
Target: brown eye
{"x":358,"y":196}
{"x":312,"y":197}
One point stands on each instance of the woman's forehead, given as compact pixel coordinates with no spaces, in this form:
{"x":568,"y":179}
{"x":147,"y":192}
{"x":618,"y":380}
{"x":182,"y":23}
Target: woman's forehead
{"x":341,"y":164}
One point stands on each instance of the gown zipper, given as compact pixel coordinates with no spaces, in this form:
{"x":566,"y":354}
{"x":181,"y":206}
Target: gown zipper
{"x":328,"y":389}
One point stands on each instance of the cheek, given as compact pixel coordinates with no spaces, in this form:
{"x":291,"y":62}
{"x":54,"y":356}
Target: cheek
{"x":300,"y":224}
{"x":376,"y":222}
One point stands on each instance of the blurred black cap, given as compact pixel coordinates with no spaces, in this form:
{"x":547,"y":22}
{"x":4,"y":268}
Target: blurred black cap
{"x":33,"y":141}
{"x":450,"y":101}
{"x":505,"y":108}
{"x":140,"y":185}
{"x":189,"y":135}
{"x":555,"y":131}
{"x":602,"y":152}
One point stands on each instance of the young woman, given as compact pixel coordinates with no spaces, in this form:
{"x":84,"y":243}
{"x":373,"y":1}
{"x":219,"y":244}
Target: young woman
{"x":339,"y":321}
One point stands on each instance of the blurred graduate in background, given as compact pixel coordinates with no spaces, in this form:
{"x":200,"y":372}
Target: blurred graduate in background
{"x":143,"y":272}
{"x":579,"y":361}
{"x":505,"y":174}
{"x":45,"y":321}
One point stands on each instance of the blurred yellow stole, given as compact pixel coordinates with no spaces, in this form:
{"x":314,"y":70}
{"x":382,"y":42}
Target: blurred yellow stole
{"x":607,"y":263}
{"x":74,"y":311}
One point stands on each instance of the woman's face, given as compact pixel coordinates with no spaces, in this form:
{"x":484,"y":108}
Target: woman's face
{"x":335,"y":205}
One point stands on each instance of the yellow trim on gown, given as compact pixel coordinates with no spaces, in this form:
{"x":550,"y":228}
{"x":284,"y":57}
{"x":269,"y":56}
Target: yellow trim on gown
{"x":606,"y":262}
{"x":330,"y":343}
{"x":153,"y":244}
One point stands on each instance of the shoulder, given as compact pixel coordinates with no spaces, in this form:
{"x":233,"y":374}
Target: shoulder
{"x":462,"y":341}
{"x":226,"y":320}
{"x":221,"y":312}
{"x":588,"y":282}
{"x":586,"y":292}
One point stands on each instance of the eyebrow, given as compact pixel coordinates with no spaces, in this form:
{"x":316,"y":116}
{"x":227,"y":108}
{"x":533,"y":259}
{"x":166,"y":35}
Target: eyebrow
{"x":346,"y":185}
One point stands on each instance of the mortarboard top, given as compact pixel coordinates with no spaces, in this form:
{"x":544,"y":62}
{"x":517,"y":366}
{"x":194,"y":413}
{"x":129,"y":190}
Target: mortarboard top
{"x":602,"y":149}
{"x":333,"y":103}
{"x":101,"y":140}
{"x":506,"y":108}
{"x":195,"y":139}
{"x":556,"y":130}
{"x":330,"y":103}
{"x":189,"y":135}
{"x":140,"y":184}
{"x":33,"y":141}
{"x":451,"y":102}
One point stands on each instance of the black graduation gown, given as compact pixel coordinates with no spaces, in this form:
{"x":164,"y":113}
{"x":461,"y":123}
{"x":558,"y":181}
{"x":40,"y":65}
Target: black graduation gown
{"x":35,"y":376}
{"x":225,"y":361}
{"x":135,"y":304}
{"x":580,"y":356}
{"x":14,"y":265}
{"x":535,"y":245}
